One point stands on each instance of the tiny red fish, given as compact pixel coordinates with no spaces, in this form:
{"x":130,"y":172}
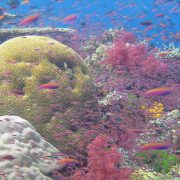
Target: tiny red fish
{"x":71,"y":17}
{"x":25,"y":2}
{"x":2,"y":17}
{"x":50,"y":85}
{"x":159,"y":15}
{"x":67,"y":161}
{"x":28,"y":20}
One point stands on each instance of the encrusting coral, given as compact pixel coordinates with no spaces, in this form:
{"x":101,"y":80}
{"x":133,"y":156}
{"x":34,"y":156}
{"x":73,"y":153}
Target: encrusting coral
{"x":26,"y":63}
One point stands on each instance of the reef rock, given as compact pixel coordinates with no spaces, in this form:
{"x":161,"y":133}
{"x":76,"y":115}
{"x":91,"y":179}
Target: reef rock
{"x":167,"y":129}
{"x":112,"y":96}
{"x":9,"y":33}
{"x":24,"y":154}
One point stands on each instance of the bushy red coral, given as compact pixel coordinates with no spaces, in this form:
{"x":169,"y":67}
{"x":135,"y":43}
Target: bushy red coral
{"x":133,"y":56}
{"x":130,"y":67}
{"x":103,"y":162}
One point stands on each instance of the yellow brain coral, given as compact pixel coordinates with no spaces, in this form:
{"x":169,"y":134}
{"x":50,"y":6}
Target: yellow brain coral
{"x":35,"y":48}
{"x":29,"y":61}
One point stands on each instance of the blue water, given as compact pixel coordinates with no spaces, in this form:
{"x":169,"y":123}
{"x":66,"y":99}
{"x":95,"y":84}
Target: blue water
{"x":99,"y":15}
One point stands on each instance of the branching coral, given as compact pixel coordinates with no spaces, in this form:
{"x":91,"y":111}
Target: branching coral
{"x":129,"y":68}
{"x":133,"y":56}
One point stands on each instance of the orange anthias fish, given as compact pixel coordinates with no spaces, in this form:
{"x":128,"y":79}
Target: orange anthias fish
{"x":71,"y":17}
{"x":162,"y":91}
{"x":25,"y":2}
{"x":2,"y":17}
{"x":29,"y":20}
{"x":50,"y":85}
{"x":155,"y":146}
{"x":67,"y":161}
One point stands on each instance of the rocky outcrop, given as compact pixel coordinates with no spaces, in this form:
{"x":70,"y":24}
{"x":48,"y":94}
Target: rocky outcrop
{"x":24,"y":154}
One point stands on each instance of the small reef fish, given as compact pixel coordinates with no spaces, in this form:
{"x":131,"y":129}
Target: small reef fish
{"x":13,"y":3}
{"x":50,"y":85}
{"x":162,"y":91}
{"x":159,"y":15}
{"x":137,"y":130}
{"x":68,"y":161}
{"x":71,"y":17}
{"x":28,"y":20}
{"x":25,"y":2}
{"x":2,"y":17}
{"x":155,"y":146}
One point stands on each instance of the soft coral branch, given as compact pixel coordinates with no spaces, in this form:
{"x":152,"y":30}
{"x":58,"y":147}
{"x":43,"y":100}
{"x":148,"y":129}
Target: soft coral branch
{"x":103,"y":162}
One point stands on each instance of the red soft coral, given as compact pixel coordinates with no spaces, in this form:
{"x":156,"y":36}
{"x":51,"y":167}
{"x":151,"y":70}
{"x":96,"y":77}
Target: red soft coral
{"x":103,"y":162}
{"x":133,"y":57}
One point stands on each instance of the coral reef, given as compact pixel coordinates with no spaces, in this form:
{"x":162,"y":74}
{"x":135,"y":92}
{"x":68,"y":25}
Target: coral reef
{"x":24,"y":153}
{"x":102,"y":129}
{"x":103,"y":162}
{"x":123,"y":70}
{"x":164,"y":129}
{"x":6,"y":34}
{"x":29,"y":61}
{"x":169,"y":52}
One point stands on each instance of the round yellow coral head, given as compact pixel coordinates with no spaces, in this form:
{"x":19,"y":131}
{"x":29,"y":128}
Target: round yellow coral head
{"x":33,"y":49}
{"x":29,"y":61}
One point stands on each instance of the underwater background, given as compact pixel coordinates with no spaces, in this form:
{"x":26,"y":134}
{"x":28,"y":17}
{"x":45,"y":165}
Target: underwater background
{"x":89,"y":90}
{"x":101,"y":15}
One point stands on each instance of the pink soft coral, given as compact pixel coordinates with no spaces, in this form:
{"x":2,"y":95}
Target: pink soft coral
{"x":104,"y":160}
{"x":133,"y":56}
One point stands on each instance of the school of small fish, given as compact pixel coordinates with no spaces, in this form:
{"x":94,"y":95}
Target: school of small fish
{"x":115,"y":13}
